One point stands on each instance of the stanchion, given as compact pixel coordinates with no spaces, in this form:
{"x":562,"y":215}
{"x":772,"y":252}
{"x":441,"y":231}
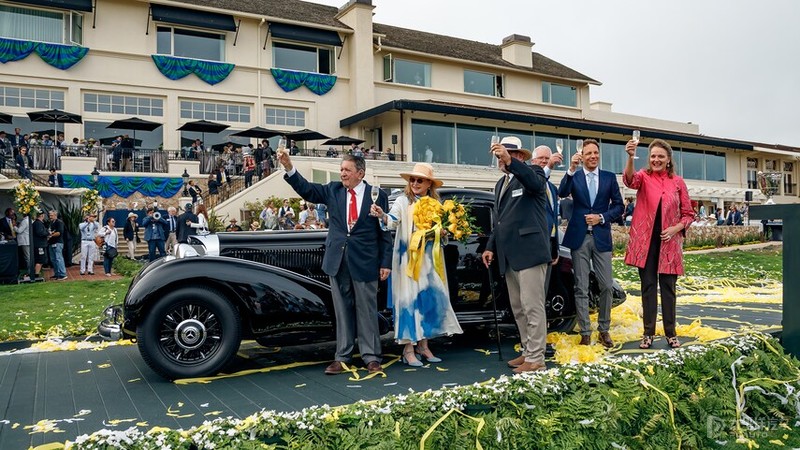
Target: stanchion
{"x":494,"y":308}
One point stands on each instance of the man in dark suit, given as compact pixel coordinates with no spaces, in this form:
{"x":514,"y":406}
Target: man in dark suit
{"x":596,"y":203}
{"x":185,"y":222}
{"x":521,"y":242}
{"x":7,"y":224}
{"x":357,"y":252}
{"x":55,"y":179}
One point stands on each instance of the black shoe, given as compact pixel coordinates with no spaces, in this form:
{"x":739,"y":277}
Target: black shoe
{"x":549,"y":351}
{"x":53,"y":277}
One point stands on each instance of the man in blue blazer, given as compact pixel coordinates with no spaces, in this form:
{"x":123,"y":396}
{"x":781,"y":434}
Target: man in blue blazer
{"x":55,"y":179}
{"x":596,"y":203}
{"x":520,"y":242}
{"x":357,"y":253}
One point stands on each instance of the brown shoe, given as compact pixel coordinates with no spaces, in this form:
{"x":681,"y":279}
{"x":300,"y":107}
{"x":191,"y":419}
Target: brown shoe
{"x":335,"y":368}
{"x":605,"y":339}
{"x":516,"y":362}
{"x":529,"y":367}
{"x":586,"y":339}
{"x":374,"y":367}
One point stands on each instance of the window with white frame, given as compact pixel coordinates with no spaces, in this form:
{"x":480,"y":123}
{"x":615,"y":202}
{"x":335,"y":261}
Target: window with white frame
{"x":483,"y":83}
{"x":23,"y":97}
{"x":752,"y":173}
{"x":286,"y":117}
{"x":304,"y":57}
{"x":190,"y":43}
{"x":404,"y":71}
{"x":32,"y":24}
{"x":123,"y":104}
{"x":226,"y":112}
{"x":559,"y":94}
{"x":788,"y":178}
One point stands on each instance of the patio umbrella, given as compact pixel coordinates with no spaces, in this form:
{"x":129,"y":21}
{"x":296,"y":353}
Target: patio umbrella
{"x":110,"y":140}
{"x":55,"y":116}
{"x":219,"y":147}
{"x":203,"y":126}
{"x":134,"y":123}
{"x":5,"y":118}
{"x":50,"y":132}
{"x":258,"y":132}
{"x":305,"y":135}
{"x":343,"y":140}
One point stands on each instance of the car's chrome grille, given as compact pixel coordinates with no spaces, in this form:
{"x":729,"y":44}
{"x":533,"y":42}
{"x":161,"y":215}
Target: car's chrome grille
{"x":306,"y":262}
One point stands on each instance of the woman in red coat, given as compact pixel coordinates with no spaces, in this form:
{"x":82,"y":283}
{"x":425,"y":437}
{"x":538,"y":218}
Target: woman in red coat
{"x":663,"y":213}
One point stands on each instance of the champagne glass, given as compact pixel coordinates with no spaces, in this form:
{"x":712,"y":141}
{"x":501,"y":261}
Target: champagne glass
{"x":579,"y":147}
{"x":635,"y":136}
{"x":281,"y":146}
{"x":374,"y":193}
{"x":495,"y":140}
{"x":560,"y":150}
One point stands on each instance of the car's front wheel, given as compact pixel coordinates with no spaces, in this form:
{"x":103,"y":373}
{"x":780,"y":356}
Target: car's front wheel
{"x":190,"y":332}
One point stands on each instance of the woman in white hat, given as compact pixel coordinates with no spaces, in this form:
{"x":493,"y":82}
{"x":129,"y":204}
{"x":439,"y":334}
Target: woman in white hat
{"x":131,"y":233}
{"x":422,"y":307}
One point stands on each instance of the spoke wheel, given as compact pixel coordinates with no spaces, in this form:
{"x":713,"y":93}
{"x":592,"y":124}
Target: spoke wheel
{"x":190,"y":332}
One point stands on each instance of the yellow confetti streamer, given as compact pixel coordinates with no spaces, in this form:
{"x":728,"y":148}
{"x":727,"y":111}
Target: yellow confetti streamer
{"x":300,"y":385}
{"x":213,"y":413}
{"x":85,"y":371}
{"x":485,"y":352}
{"x":441,"y":369}
{"x":104,"y":366}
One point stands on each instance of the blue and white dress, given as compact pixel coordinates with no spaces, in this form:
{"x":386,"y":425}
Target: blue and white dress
{"x":422,"y":308}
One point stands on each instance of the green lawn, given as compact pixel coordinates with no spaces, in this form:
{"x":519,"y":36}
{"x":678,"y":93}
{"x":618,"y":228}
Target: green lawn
{"x":739,"y":266}
{"x":63,"y":309}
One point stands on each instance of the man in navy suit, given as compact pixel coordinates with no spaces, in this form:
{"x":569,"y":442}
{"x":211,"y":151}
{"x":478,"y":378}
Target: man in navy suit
{"x":596,"y":203}
{"x":357,"y":252}
{"x":521,"y":243}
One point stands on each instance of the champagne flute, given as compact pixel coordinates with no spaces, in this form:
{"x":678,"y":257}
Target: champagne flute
{"x":560,"y":150}
{"x":495,"y":140}
{"x":579,"y":148}
{"x":375,"y":192}
{"x":281,"y":145}
{"x":635,"y":136}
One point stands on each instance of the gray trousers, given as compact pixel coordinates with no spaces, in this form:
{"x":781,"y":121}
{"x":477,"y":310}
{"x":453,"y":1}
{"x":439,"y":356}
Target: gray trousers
{"x":601,"y":261}
{"x":170,"y":244}
{"x":355,"y":304}
{"x":526,"y":295}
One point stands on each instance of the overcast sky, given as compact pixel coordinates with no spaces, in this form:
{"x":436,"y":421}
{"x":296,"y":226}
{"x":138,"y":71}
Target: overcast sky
{"x":731,"y":66}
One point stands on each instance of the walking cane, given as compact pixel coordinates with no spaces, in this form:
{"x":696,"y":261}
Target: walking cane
{"x":494,"y":307}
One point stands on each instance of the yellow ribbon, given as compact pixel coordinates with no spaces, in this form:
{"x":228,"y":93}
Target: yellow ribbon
{"x":416,"y":252}
{"x":481,"y":422}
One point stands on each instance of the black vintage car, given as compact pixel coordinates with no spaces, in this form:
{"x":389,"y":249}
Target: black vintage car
{"x":190,"y":312}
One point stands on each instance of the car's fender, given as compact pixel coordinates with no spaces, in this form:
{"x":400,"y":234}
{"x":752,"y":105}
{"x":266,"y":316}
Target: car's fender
{"x":268,"y":297}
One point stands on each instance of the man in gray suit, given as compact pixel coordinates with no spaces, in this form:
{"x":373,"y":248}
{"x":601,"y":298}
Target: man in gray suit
{"x":521,"y":241}
{"x":358,"y":251}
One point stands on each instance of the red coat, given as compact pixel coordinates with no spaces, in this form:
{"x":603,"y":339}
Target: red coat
{"x":675,"y":208}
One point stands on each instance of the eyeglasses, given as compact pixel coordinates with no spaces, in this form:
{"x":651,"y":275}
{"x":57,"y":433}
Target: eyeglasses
{"x":414,"y":180}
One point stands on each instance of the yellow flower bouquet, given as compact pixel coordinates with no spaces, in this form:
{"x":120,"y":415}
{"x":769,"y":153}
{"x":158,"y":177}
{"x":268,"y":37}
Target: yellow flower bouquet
{"x":430,"y":218}
{"x":91,"y":201}
{"x":26,"y":197}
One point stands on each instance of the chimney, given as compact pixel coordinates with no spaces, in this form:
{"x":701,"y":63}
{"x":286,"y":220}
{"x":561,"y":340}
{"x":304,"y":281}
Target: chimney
{"x":517,"y":50}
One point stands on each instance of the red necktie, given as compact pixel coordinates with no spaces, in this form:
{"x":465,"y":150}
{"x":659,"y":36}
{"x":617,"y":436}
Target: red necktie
{"x":352,"y":212}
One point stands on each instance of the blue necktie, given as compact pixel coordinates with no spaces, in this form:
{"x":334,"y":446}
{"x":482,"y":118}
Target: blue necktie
{"x":592,"y":187}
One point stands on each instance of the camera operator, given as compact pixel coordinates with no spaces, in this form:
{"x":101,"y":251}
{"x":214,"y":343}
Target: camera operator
{"x":154,"y":233}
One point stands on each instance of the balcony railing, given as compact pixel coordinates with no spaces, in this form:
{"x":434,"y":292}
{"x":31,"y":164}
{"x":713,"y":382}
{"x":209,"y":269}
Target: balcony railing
{"x":155,"y":160}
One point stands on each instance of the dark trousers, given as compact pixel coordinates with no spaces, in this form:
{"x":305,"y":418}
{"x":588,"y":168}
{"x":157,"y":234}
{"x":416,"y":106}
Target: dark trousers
{"x":651,"y":279}
{"x":152,"y":246}
{"x":355,"y":304}
{"x":248,"y":178}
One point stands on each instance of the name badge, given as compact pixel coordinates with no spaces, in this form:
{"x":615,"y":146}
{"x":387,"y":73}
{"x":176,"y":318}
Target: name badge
{"x":516,"y":192}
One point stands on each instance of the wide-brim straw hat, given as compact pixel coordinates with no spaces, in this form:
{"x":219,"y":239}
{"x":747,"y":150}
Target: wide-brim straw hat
{"x":130,"y":214}
{"x":514,"y":144}
{"x":423,"y":170}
